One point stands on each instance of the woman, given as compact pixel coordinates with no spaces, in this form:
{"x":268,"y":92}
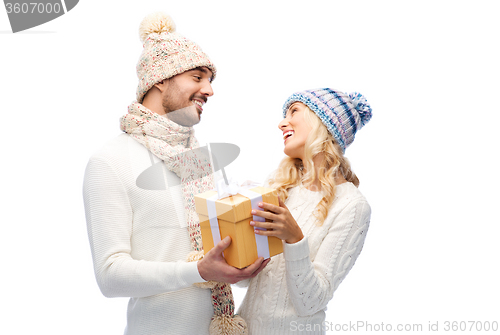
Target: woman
{"x":322,"y":218}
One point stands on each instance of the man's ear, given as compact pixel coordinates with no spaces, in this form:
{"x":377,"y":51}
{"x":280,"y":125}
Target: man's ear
{"x":162,"y":85}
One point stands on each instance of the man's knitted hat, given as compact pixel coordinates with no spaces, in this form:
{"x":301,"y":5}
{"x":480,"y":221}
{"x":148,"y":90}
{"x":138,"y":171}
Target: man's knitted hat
{"x":342,"y":114}
{"x":166,"y":53}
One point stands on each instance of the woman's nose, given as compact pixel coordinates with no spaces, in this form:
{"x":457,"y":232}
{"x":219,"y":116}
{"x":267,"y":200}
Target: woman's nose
{"x":283,"y":124}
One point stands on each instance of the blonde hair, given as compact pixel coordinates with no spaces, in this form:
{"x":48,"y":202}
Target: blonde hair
{"x":292,"y":172}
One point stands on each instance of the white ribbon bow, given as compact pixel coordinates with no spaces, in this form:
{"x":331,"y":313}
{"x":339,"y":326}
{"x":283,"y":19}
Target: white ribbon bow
{"x":233,"y":188}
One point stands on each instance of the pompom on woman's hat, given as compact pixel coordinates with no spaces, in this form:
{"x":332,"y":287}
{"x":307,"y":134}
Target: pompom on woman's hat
{"x":343,"y":114}
{"x":166,"y":53}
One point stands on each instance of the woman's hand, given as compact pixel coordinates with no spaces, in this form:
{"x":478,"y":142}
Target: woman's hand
{"x":283,"y":225}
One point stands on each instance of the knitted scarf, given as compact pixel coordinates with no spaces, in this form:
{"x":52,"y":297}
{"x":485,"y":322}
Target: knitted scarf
{"x":173,"y":144}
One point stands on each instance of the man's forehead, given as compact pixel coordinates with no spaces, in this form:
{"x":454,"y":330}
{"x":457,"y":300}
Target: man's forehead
{"x":203,"y":69}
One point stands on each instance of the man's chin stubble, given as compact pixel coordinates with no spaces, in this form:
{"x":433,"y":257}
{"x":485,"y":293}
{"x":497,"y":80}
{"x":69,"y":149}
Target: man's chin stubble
{"x":187,"y":116}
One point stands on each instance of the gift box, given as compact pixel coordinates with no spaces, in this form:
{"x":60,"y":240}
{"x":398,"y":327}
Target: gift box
{"x":232,"y":217}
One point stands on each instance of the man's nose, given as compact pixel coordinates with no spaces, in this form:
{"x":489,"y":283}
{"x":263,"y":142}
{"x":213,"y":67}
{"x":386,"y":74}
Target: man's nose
{"x":207,"y":90}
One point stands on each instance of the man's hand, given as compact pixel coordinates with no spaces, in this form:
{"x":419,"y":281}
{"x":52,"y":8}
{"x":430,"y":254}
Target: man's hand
{"x":214,"y":267}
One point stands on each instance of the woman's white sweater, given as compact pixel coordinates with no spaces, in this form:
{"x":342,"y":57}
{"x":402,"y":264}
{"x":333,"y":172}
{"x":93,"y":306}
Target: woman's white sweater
{"x":291,"y":294}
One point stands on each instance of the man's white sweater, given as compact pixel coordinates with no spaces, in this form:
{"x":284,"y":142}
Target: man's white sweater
{"x":291,"y":294}
{"x":139,"y":242}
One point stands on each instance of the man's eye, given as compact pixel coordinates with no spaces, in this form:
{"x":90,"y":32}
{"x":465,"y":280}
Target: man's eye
{"x":197,"y":77}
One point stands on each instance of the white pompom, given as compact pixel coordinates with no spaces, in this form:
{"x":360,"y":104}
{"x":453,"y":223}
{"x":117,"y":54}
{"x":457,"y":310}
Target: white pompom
{"x":362,"y":107}
{"x":156,"y":23}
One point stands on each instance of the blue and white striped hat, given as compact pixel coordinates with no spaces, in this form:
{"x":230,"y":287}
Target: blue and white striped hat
{"x":343,"y":114}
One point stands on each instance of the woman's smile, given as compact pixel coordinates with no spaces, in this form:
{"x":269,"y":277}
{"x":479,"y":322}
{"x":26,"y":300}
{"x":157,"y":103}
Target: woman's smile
{"x":295,"y":130}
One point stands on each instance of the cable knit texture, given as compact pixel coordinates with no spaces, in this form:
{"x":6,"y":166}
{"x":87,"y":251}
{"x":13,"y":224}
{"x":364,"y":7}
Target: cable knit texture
{"x":296,"y":286}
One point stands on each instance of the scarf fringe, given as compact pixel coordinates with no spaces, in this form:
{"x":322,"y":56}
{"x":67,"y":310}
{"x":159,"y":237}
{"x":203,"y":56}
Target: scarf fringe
{"x":228,"y":325}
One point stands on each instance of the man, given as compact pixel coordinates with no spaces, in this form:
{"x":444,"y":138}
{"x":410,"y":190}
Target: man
{"x":140,"y":236}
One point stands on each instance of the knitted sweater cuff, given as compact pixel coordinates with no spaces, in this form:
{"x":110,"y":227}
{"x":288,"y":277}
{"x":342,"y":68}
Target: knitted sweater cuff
{"x":190,"y":273}
{"x":296,"y":251}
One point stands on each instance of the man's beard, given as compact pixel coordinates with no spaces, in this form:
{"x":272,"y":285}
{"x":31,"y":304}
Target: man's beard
{"x":186,"y":116}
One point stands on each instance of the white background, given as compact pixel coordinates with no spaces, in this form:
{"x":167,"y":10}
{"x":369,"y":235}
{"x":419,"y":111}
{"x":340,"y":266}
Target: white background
{"x":427,"y":160}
